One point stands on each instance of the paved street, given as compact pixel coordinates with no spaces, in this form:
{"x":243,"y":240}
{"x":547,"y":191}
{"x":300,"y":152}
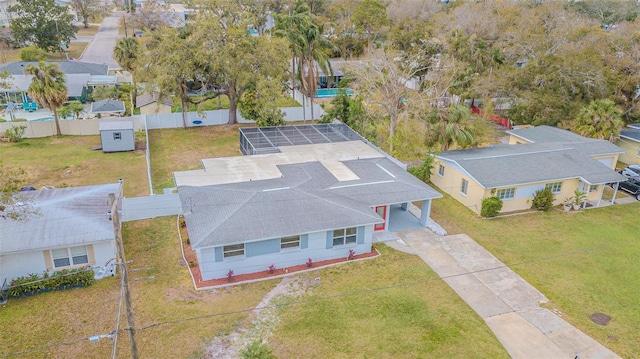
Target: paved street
{"x":100,"y":50}
{"x":507,"y":303}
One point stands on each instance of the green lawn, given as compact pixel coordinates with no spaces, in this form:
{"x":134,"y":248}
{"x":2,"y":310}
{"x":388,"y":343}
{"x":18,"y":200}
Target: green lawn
{"x":183,"y":149}
{"x":584,"y":262}
{"x":391,"y":307}
{"x":70,"y":161}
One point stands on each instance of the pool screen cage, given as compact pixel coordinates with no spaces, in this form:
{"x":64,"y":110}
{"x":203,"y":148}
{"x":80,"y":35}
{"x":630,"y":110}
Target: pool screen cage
{"x":260,"y":140}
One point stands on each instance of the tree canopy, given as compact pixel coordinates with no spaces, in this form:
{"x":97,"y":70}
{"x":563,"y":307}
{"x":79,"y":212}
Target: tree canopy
{"x":42,"y":23}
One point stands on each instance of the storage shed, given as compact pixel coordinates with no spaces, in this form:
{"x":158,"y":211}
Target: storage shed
{"x":117,"y":136}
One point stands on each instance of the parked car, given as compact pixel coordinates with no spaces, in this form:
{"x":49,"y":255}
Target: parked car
{"x":631,"y":171}
{"x":631,"y":185}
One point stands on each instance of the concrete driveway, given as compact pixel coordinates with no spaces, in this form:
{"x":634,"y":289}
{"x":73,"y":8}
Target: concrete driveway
{"x":507,"y":303}
{"x":100,"y":50}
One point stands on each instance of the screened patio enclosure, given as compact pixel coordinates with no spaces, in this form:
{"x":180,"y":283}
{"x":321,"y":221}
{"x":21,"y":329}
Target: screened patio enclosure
{"x":260,"y":140}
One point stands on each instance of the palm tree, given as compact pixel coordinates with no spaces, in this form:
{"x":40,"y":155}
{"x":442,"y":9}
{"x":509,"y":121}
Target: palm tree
{"x":48,"y":88}
{"x":447,"y":128}
{"x":126,"y":52}
{"x":291,"y":27}
{"x":314,"y":57}
{"x":601,"y":119}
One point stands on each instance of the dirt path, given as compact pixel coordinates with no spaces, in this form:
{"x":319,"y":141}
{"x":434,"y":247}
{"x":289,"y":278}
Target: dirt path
{"x":264,"y":318}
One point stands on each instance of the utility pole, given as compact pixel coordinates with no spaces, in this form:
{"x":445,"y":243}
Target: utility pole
{"x":117,"y":229}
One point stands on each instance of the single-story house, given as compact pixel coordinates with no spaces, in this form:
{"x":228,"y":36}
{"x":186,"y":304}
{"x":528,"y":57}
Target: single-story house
{"x":629,"y":141}
{"x":117,"y":136}
{"x":151,"y":104}
{"x":108,"y":107}
{"x":71,"y":229}
{"x":318,"y":200}
{"x":80,"y":78}
{"x":535,"y":158}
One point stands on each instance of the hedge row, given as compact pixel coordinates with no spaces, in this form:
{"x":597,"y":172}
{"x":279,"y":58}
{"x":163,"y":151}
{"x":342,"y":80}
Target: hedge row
{"x":46,"y":282}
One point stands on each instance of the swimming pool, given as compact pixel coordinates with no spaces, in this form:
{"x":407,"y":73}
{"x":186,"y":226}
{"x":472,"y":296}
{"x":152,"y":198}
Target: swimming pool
{"x":324,"y":93}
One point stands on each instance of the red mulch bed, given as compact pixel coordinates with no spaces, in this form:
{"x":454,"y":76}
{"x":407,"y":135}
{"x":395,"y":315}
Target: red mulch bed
{"x":191,"y":257}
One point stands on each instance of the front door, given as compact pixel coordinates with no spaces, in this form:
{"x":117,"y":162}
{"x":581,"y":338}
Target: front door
{"x":382,"y":212}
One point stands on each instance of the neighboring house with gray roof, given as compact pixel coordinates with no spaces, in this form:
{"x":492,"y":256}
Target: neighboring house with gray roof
{"x":80,"y":77}
{"x":108,"y":107}
{"x":629,"y":141}
{"x":313,"y":201}
{"x":536,"y":158}
{"x":72,"y":229}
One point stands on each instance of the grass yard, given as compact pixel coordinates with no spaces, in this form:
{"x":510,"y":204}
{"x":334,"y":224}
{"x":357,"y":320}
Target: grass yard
{"x":391,"y":307}
{"x":70,"y":161}
{"x":585,"y":262}
{"x":91,"y":31}
{"x":182,"y":149}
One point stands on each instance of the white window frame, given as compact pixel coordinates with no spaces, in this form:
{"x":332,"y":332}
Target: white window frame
{"x":441,"y":171}
{"x":556,"y":187}
{"x":74,"y":256}
{"x":117,"y":136}
{"x":506,"y":193}
{"x":464,"y":186}
{"x":233,"y":250}
{"x":289,"y":243}
{"x":345,"y":236}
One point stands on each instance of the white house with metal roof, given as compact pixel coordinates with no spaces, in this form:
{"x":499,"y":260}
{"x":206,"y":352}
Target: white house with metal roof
{"x":318,"y":201}
{"x":72,"y":229}
{"x":536,"y":158}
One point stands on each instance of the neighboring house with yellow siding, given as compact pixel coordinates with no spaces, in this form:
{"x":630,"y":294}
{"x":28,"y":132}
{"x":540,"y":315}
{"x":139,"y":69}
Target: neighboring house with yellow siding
{"x":629,"y":141}
{"x":72,"y":229}
{"x":536,"y":158}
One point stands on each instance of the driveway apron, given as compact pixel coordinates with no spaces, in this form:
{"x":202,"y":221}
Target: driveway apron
{"x":507,"y":303}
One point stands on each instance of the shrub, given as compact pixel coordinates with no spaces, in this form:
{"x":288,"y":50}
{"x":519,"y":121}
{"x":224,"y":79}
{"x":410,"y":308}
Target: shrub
{"x":272,"y":268}
{"x":257,"y":350}
{"x":491,"y":207}
{"x":543,"y":199}
{"x":15,"y":133}
{"x":19,"y":120}
{"x":34,"y":283}
{"x":423,"y":171}
{"x":352,"y":254}
{"x":309,"y":262}
{"x":32,"y":53}
{"x":186,"y":240}
{"x":230,"y":275}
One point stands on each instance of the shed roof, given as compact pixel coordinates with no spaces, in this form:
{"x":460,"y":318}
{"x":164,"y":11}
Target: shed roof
{"x":107,"y":106}
{"x":306,"y":198}
{"x":147,"y":99}
{"x":68,"y":216}
{"x":546,"y":134}
{"x":510,"y":165}
{"x":116,"y":125}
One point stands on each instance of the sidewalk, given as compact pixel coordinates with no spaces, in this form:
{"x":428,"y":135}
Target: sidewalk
{"x":507,"y":303}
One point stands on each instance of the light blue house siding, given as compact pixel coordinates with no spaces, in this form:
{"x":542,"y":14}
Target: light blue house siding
{"x":259,"y":255}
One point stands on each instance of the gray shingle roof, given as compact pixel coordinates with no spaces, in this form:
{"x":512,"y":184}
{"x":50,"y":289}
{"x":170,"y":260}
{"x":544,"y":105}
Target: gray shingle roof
{"x":307,"y":198}
{"x":547,"y":134}
{"x":68,"y":216}
{"x":509,"y":165}
{"x":107,"y":106}
{"x":633,"y":135}
{"x":68,"y":67}
{"x":116,"y":125}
